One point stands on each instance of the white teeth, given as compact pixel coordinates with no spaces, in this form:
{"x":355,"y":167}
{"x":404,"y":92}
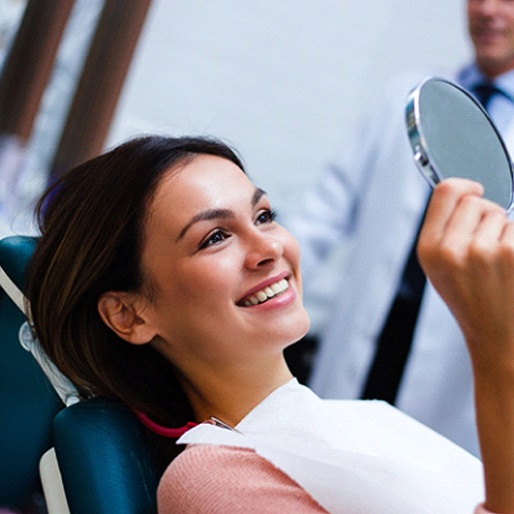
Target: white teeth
{"x":267,"y":292}
{"x":276,"y":288}
{"x":282,"y":285}
{"x":261,"y":296}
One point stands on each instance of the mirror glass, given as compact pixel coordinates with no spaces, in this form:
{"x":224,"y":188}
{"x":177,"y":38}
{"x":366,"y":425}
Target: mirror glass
{"x":453,"y":136}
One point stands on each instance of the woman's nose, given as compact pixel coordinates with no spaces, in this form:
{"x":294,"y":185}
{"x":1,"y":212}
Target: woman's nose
{"x":263,"y":249}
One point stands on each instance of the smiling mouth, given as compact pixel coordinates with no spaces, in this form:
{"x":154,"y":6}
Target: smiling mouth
{"x":265,"y":294}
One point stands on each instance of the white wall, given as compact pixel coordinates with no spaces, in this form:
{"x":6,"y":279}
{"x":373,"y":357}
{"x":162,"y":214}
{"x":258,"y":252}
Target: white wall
{"x":283,"y":80}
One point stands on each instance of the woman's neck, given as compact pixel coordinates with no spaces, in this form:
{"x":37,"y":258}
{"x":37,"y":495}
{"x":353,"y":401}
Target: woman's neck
{"x":230,"y":394}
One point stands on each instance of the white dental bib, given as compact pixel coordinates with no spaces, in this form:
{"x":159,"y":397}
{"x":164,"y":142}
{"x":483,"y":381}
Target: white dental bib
{"x":355,"y":456}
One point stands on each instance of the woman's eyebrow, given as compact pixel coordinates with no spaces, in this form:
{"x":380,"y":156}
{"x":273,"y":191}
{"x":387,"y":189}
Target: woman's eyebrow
{"x":257,"y":195}
{"x":211,"y":214}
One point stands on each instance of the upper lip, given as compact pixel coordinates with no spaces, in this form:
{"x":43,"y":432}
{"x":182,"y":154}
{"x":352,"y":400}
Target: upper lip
{"x":264,"y":284}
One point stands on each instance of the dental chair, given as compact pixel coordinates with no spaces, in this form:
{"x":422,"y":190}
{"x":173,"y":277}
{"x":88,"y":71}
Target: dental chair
{"x":28,"y":403}
{"x":99,"y":461}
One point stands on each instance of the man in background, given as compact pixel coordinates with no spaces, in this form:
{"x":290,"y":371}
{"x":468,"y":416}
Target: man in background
{"x":388,"y":334}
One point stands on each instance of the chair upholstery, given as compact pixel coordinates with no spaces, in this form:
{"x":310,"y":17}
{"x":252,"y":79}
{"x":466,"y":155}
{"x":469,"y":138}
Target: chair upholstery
{"x":27,"y":402}
{"x":104,"y":461}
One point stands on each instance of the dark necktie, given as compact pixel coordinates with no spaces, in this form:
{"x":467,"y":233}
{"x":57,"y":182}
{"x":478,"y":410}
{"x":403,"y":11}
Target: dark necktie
{"x":393,"y":345}
{"x":395,"y":340}
{"x":485,"y":91}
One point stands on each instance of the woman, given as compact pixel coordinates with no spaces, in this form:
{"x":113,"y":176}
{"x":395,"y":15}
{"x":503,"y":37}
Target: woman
{"x":162,"y":280}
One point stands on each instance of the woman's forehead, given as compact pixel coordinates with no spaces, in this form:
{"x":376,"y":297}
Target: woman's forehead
{"x":206,"y":181}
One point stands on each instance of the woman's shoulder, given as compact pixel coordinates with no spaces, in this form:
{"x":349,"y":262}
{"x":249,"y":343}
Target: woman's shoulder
{"x":212,"y":478}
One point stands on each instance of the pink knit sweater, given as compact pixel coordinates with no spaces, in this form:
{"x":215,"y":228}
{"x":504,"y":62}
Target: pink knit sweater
{"x":210,"y":479}
{"x":220,"y":479}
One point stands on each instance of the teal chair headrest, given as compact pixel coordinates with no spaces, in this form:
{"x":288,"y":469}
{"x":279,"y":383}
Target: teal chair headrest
{"x":104,"y":459}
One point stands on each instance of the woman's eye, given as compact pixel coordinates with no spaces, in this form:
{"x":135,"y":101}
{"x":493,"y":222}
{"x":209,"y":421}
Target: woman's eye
{"x":214,"y":238}
{"x":266,"y":216}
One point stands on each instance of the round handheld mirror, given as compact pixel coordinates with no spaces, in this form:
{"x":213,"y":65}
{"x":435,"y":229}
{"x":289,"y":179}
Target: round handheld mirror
{"x":453,"y":136}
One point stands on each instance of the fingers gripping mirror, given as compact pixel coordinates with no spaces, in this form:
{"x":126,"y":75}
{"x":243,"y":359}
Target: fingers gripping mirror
{"x":451,"y":135}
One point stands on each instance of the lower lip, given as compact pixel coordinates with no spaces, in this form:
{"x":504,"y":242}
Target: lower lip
{"x":281,"y":300}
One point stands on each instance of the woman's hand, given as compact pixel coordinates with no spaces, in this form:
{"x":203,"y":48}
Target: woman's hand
{"x":466,"y":248}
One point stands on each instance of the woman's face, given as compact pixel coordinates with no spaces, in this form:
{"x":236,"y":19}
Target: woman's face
{"x":225,"y":277}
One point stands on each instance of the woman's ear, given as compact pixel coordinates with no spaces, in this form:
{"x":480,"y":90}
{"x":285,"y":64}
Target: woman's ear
{"x":123,"y":313}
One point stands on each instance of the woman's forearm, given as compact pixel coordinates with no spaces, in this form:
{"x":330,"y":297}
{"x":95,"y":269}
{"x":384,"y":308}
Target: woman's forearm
{"x":466,"y":247}
{"x":494,"y":394}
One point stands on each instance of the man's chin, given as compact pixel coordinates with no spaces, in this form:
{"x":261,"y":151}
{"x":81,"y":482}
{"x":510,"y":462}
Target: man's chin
{"x":494,"y":63}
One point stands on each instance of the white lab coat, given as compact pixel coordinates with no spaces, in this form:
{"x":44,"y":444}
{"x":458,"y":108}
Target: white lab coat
{"x":372,"y":199}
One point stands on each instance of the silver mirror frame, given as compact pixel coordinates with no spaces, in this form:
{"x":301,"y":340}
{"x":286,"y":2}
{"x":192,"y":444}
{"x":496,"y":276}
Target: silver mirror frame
{"x":421,"y":148}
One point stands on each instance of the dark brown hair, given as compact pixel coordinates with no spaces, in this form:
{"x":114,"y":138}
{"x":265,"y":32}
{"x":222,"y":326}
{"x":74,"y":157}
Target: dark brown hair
{"x":91,"y":223}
